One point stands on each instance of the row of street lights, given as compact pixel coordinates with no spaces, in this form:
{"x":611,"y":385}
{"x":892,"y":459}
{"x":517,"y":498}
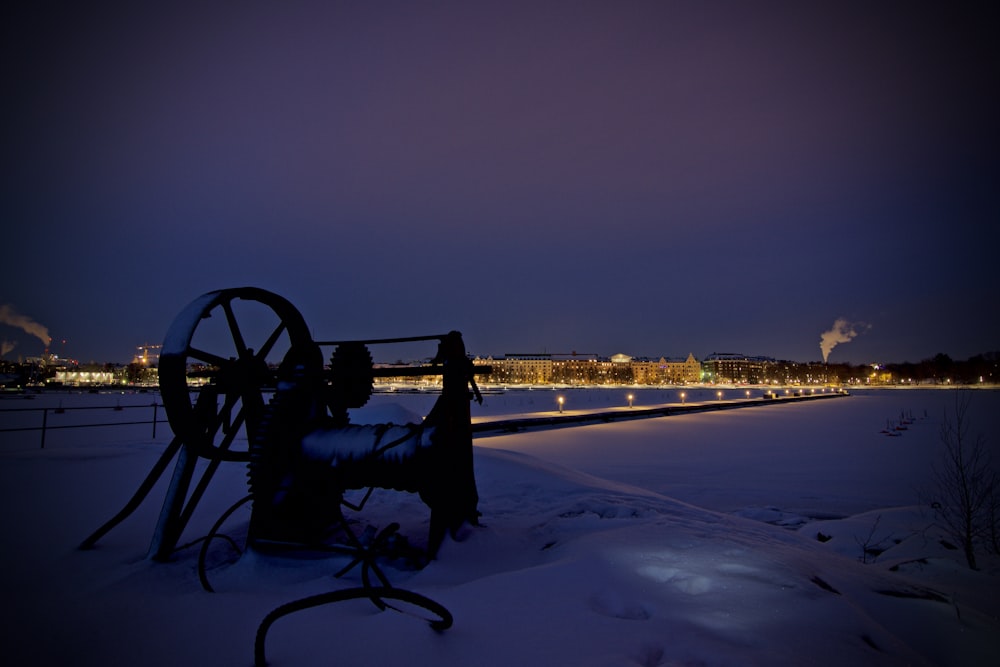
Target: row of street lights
{"x":561,"y":400}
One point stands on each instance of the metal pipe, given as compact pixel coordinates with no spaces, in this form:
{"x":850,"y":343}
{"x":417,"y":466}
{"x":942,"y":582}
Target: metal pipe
{"x":379,"y":341}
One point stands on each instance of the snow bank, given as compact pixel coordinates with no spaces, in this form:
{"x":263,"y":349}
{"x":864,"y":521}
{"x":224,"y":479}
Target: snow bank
{"x":638,"y":543}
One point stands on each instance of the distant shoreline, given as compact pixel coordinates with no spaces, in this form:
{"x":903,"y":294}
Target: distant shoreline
{"x":504,"y":388}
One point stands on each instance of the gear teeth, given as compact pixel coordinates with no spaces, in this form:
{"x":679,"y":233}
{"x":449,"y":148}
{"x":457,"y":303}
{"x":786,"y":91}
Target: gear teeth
{"x":351,"y":370}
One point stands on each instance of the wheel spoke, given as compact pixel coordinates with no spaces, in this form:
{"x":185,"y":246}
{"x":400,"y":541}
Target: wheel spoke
{"x":207,"y":357}
{"x":234,"y":328}
{"x":212,"y":417}
{"x":227,"y":407}
{"x":265,"y":349}
{"x":220,"y":450}
{"x":226,"y":412}
{"x":227,"y":439}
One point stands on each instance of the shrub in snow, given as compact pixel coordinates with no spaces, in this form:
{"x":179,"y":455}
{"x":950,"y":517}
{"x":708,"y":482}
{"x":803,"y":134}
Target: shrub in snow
{"x":965,"y":497}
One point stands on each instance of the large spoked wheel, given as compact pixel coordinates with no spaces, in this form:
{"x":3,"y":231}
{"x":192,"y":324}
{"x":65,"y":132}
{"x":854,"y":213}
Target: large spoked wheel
{"x":221,"y":354}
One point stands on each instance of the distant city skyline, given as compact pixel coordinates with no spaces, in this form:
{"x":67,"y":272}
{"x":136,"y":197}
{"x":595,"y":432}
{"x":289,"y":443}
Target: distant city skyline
{"x":830,"y":340}
{"x":841,"y":332}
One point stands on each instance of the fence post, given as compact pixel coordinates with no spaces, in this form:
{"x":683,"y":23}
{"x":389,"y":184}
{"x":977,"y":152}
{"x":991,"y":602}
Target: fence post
{"x":45,"y":419}
{"x":155,"y":405}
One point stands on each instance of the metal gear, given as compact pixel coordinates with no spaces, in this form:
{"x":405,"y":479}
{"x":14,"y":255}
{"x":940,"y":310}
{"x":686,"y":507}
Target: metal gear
{"x":351,"y":371}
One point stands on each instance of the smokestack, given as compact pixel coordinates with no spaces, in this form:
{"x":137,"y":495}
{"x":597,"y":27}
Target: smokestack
{"x":11,"y":317}
{"x":842,"y":332}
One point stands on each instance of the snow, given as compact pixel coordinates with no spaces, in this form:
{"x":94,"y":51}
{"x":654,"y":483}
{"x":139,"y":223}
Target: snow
{"x":717,"y":538}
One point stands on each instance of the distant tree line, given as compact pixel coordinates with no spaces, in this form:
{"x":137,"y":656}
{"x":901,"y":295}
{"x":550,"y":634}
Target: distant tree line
{"x":942,"y":368}
{"x":938,"y":370}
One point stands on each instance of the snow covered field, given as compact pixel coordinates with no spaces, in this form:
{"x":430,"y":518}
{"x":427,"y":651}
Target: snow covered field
{"x":684,"y":540}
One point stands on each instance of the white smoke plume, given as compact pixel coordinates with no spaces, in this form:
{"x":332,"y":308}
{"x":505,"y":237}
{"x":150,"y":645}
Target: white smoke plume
{"x":842,"y":332}
{"x":6,"y":346}
{"x":11,"y":317}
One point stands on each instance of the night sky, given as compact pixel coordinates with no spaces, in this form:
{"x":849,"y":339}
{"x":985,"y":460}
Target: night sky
{"x":652,"y":178}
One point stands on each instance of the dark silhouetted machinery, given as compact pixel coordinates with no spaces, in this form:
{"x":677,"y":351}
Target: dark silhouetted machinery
{"x":242,"y":380}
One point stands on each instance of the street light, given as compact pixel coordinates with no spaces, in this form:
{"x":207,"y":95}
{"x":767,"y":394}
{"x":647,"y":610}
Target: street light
{"x":630,"y":397}
{"x":682,"y":397}
{"x":719,"y":394}
{"x":560,"y":399}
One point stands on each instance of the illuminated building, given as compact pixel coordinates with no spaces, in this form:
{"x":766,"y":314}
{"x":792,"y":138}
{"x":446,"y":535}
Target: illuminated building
{"x":729,"y":368}
{"x":519,"y":368}
{"x":666,"y":371}
{"x":76,"y":378}
{"x":583,"y":369}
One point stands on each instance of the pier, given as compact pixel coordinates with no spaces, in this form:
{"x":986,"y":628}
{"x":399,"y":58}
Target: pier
{"x":485,"y":427}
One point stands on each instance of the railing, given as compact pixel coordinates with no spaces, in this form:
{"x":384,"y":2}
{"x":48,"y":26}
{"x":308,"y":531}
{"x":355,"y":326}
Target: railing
{"x":45,"y":426}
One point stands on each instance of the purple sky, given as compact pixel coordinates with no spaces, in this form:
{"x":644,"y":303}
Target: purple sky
{"x":653,"y":178}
